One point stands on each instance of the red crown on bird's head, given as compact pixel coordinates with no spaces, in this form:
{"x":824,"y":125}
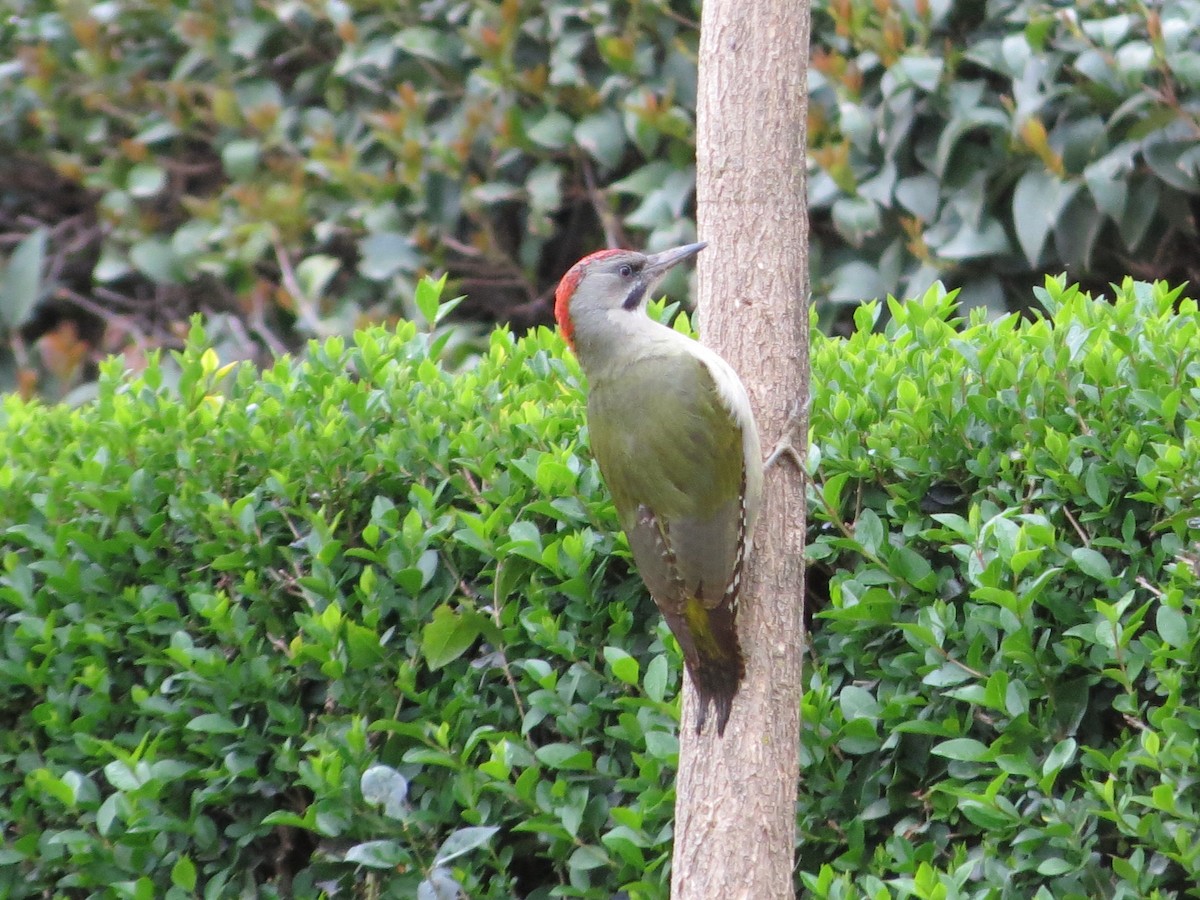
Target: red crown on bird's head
{"x":566,"y":290}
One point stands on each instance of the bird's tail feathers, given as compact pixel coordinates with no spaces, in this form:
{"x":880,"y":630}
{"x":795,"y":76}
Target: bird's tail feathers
{"x":717,"y":694}
{"x":713,"y":657}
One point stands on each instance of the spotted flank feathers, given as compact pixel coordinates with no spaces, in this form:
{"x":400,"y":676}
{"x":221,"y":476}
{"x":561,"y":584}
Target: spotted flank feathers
{"x":706,"y":632}
{"x":733,"y":590}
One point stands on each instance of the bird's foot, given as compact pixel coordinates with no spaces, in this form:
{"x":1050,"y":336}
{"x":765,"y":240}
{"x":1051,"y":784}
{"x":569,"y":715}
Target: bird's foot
{"x":784,"y":447}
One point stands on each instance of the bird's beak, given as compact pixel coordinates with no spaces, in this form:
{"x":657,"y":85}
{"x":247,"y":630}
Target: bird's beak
{"x":658,"y":263}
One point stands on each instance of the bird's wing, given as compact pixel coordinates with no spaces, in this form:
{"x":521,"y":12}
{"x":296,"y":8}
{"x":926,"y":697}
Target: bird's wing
{"x":673,"y":456}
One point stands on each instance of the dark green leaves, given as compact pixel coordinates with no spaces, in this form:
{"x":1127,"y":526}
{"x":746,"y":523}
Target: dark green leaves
{"x":21,"y":280}
{"x":1038,"y":203}
{"x":968,"y":148}
{"x":167,"y":151}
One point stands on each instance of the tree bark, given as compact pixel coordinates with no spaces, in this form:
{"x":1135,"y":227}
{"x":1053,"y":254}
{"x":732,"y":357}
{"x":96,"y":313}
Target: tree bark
{"x":735,"y":805}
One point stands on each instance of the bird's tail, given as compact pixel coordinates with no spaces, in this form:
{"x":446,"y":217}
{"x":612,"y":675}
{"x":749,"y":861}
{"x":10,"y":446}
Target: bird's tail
{"x":712,"y":655}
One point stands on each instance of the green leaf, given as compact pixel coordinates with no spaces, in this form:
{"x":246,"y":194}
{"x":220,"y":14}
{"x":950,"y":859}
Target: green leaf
{"x":564,"y":756}
{"x":383,"y":254}
{"x":240,"y":158}
{"x":1109,"y":189}
{"x":381,"y":854}
{"x":985,"y":815}
{"x":831,"y":491}
{"x":624,"y":666}
{"x":20,"y":286}
{"x":108,"y":815}
{"x":655,"y":681}
{"x":923,"y":71}
{"x":111,"y":266}
{"x":183,"y":874}
{"x":429,"y":293}
{"x":662,"y":744}
{"x":384,"y":786}
{"x":645,"y":180}
{"x":462,"y":841}
{"x":1092,"y":562}
{"x":1055,"y":866}
{"x":919,"y":195}
{"x":156,"y":259}
{"x":911,"y":567}
{"x":492,"y":192}
{"x":123,"y":777}
{"x":1062,"y":754}
{"x":427,"y":43}
{"x":1145,"y":198}
{"x":963,"y":749}
{"x":1172,"y":626}
{"x":588,"y":857}
{"x":856,"y":281}
{"x":447,"y":636}
{"x":553,"y":131}
{"x":440,"y":885}
{"x":315,"y":272}
{"x":213,"y":723}
{"x":970,"y":240}
{"x":145,"y":181}
{"x":1038,"y":201}
{"x":1175,"y":162}
{"x":856,"y":219}
{"x":544,"y":188}
{"x":603,"y":137}
{"x":868,"y":531}
{"x":968,"y":115}
{"x":858,"y":737}
{"x":858,"y":703}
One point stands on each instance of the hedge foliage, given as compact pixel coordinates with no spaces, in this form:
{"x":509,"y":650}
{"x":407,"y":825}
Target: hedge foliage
{"x":360,"y":626}
{"x":300,"y":164}
{"x":1006,"y":699}
{"x":980,"y":143}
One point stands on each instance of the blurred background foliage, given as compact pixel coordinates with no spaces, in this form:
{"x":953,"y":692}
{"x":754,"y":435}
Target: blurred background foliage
{"x":291,"y":168}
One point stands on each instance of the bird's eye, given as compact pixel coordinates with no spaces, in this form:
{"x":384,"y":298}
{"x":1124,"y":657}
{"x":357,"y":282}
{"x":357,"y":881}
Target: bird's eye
{"x":626,"y":271}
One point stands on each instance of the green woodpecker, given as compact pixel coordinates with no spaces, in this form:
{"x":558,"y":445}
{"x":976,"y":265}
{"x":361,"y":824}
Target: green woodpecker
{"x":672,"y":430}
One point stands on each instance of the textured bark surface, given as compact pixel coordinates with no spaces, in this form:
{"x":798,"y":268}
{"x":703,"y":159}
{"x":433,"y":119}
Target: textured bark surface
{"x":735,"y":806}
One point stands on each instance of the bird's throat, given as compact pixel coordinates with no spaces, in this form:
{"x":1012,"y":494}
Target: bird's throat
{"x":608,"y":341}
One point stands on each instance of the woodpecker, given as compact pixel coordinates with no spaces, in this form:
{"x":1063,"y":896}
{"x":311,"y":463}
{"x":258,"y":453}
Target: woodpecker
{"x":672,"y":430}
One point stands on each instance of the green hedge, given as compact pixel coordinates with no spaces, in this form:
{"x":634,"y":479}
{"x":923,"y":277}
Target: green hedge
{"x":358,"y":624}
{"x":1007,"y":695}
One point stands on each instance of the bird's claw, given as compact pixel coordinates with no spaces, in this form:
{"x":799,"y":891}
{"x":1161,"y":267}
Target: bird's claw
{"x":784,"y":447}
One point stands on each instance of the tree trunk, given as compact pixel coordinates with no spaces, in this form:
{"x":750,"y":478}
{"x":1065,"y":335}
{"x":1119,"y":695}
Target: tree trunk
{"x":735,"y":810}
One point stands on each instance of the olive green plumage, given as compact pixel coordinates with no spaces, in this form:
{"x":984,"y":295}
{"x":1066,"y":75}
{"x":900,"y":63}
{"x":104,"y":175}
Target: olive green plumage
{"x":671,"y":428}
{"x":676,"y":482}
